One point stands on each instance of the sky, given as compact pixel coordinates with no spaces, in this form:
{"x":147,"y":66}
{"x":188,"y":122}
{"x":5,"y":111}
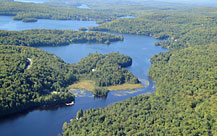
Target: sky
{"x":199,"y":2}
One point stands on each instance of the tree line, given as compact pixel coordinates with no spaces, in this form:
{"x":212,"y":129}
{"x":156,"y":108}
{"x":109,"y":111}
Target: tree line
{"x":177,"y":31}
{"x":22,"y":10}
{"x":49,"y":37}
{"x":186,"y":81}
{"x":184,"y":102}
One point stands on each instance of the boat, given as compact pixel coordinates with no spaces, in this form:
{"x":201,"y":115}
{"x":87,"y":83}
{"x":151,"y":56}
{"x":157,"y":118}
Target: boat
{"x":70,"y":104}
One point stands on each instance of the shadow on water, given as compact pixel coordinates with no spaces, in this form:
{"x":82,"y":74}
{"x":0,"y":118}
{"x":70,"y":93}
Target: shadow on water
{"x":26,"y":112}
{"x":100,"y":97}
{"x":81,"y":94}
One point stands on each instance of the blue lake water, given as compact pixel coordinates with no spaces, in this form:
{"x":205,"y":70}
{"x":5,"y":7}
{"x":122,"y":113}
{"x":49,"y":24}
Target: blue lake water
{"x":49,"y":122}
{"x":7,"y":23}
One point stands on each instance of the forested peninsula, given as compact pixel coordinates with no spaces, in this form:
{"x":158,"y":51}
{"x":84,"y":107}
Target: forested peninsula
{"x":32,"y":78}
{"x":178,"y":30}
{"x":43,"y":83}
{"x":99,"y":72}
{"x":49,"y":37}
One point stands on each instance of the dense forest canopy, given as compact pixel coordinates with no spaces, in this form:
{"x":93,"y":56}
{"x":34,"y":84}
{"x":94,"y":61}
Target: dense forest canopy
{"x":177,"y":29}
{"x":186,"y":95}
{"x":106,"y":4}
{"x":48,"y":37}
{"x":31,"y":77}
{"x":23,"y":88}
{"x":100,"y":73}
{"x":184,"y":102}
{"x":106,"y":70}
{"x":39,"y":11}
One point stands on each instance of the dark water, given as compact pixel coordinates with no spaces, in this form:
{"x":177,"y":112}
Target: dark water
{"x":49,"y":122}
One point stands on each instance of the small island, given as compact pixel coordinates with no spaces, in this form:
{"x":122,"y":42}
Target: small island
{"x":100,"y":92}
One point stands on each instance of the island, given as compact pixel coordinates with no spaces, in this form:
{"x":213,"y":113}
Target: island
{"x":100,"y":92}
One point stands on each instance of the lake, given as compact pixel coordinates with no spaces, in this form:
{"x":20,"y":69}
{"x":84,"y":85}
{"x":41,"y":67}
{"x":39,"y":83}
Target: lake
{"x":48,"y":122}
{"x":7,"y":23}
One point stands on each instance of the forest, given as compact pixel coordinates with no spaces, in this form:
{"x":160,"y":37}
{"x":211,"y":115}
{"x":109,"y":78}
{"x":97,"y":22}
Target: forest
{"x":106,"y":70}
{"x":44,"y":80}
{"x":177,"y":30}
{"x":100,"y":92}
{"x":21,"y":11}
{"x":23,"y":88}
{"x":49,"y":37}
{"x":184,"y":102}
{"x":186,"y":80}
{"x":98,"y":71}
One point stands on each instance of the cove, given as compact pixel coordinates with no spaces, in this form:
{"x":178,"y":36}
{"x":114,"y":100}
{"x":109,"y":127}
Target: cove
{"x":48,"y":122}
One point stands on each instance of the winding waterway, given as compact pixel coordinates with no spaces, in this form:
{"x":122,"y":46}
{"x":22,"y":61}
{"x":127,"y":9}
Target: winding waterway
{"x":49,"y":122}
